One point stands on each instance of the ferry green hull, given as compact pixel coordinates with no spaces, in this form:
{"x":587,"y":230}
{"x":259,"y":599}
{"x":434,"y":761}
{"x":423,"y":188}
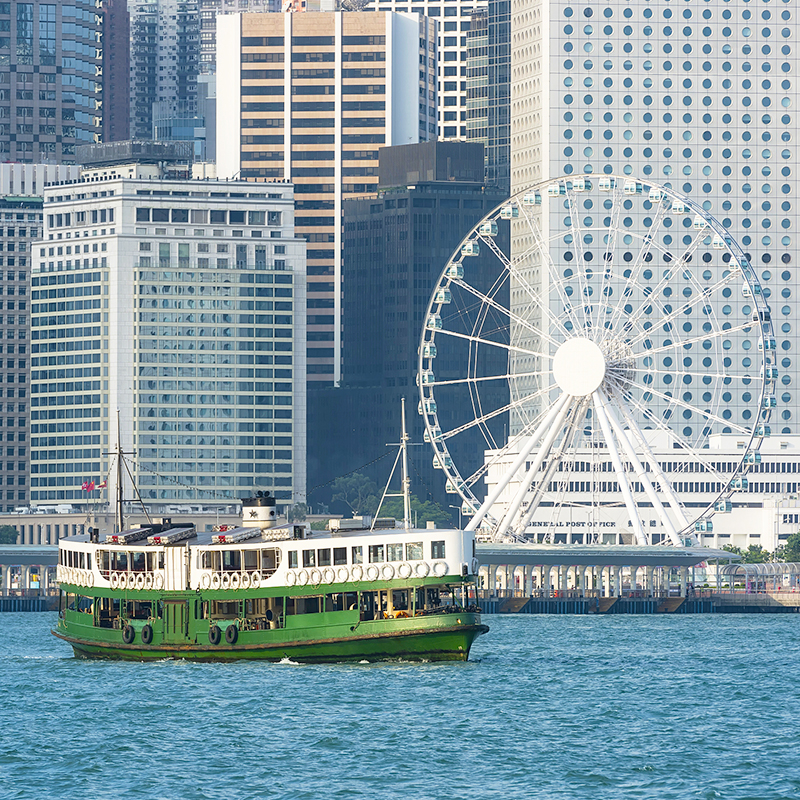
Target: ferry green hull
{"x":336,"y":636}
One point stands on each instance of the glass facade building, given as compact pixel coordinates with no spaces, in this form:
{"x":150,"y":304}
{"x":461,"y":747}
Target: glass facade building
{"x":178,"y":307}
{"x":50,"y":80}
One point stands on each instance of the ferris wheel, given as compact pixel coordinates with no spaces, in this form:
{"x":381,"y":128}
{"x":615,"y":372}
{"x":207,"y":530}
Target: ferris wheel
{"x":583,"y":329}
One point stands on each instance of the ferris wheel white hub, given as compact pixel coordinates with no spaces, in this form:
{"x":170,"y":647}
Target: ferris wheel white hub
{"x":579,"y":367}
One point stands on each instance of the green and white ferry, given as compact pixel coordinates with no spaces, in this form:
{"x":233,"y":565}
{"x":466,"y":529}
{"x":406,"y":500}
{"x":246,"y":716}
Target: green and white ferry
{"x":262,"y":591}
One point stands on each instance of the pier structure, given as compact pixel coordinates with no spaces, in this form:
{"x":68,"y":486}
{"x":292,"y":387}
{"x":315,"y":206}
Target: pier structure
{"x":606,"y":570}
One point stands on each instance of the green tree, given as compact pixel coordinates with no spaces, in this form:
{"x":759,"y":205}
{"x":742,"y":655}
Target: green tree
{"x":297,"y":513}
{"x":731,"y":549}
{"x":756,"y":554}
{"x":358,"y":492}
{"x":791,"y":550}
{"x":421,"y":510}
{"x":8,"y":534}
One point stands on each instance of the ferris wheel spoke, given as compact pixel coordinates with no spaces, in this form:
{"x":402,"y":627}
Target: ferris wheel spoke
{"x":515,"y":318}
{"x":547,"y":259}
{"x":714,"y":375}
{"x":703,"y":338}
{"x":638,"y":467}
{"x":664,"y":483}
{"x":580,"y":262}
{"x":674,"y":437}
{"x":612,"y":230}
{"x":549,"y":418}
{"x":487,"y":378}
{"x":491,"y":343}
{"x":557,"y":458}
{"x":619,"y":468}
{"x":648,"y":243}
{"x":521,"y":282}
{"x":697,"y":410}
{"x":704,"y":295}
{"x":514,"y":404}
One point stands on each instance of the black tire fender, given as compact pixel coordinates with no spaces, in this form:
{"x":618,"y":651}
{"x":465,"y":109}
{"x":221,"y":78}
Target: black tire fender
{"x":231,"y":634}
{"x":128,"y":634}
{"x":214,"y":634}
{"x":147,"y":634}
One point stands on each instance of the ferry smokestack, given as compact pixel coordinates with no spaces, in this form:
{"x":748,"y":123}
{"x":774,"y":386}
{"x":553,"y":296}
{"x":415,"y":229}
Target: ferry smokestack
{"x":258,"y":511}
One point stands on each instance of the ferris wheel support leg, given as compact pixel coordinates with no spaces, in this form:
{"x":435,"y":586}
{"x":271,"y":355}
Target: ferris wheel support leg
{"x":541,"y":455}
{"x":633,"y":511}
{"x":524,"y":519}
{"x":666,"y":486}
{"x":519,"y":461}
{"x":639,"y":469}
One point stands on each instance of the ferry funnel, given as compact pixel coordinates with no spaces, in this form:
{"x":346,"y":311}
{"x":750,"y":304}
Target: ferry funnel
{"x":258,"y":511}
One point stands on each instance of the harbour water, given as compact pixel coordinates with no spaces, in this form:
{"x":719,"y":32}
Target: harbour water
{"x":548,"y":707}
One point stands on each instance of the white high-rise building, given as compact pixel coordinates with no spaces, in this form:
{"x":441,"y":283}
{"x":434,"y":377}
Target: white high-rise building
{"x":453,"y":18}
{"x":177,"y":308}
{"x":700,"y":96}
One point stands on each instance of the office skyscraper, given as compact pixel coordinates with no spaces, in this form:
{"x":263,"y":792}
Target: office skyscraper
{"x":700,"y":96}
{"x":311,"y":98}
{"x":50,"y":89}
{"x":182,"y":304}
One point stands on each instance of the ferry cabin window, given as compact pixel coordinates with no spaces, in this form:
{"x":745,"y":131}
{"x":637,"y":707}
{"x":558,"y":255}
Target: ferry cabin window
{"x":231,"y":560}
{"x":414,"y":551}
{"x":271,"y":560}
{"x":394,"y":552}
{"x":303,"y":605}
{"x":139,"y":610}
{"x":309,"y":558}
{"x":437,"y":549}
{"x":293,"y":559}
{"x":119,"y":562}
{"x":324,"y":557}
{"x":250,"y":560}
{"x":209,"y":559}
{"x":375,"y":553}
{"x":138,"y":562}
{"x":227,"y":609}
{"x":400,"y":599}
{"x":339,"y":556}
{"x":342,"y":601}
{"x":357,"y":554}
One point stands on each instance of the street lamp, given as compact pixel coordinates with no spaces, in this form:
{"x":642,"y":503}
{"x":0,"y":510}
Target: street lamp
{"x":459,"y":516}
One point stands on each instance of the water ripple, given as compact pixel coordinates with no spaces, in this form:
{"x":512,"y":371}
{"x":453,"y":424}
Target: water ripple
{"x":602,"y":708}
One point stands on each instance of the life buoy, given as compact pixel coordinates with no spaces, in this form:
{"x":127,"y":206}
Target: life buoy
{"x":357,"y":572}
{"x":140,"y":581}
{"x":89,"y":578}
{"x":291,"y":577}
{"x":328,"y":575}
{"x":114,"y":580}
{"x":215,"y":581}
{"x":123,"y":580}
{"x":475,"y":566}
{"x":158,"y":582}
{"x":245,"y":580}
{"x":372,"y":572}
{"x":315,"y":577}
{"x":226,"y":581}
{"x":147,"y":634}
{"x":255,"y":579}
{"x":401,"y":615}
{"x":387,"y":572}
{"x":231,"y":634}
{"x":214,"y":634}
{"x":302,"y":577}
{"x":128,"y":634}
{"x":440,"y":569}
{"x":235,"y":580}
{"x":404,"y":570}
{"x":422,"y":569}
{"x":79,"y":577}
{"x":342,"y":574}
{"x":205,"y":581}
